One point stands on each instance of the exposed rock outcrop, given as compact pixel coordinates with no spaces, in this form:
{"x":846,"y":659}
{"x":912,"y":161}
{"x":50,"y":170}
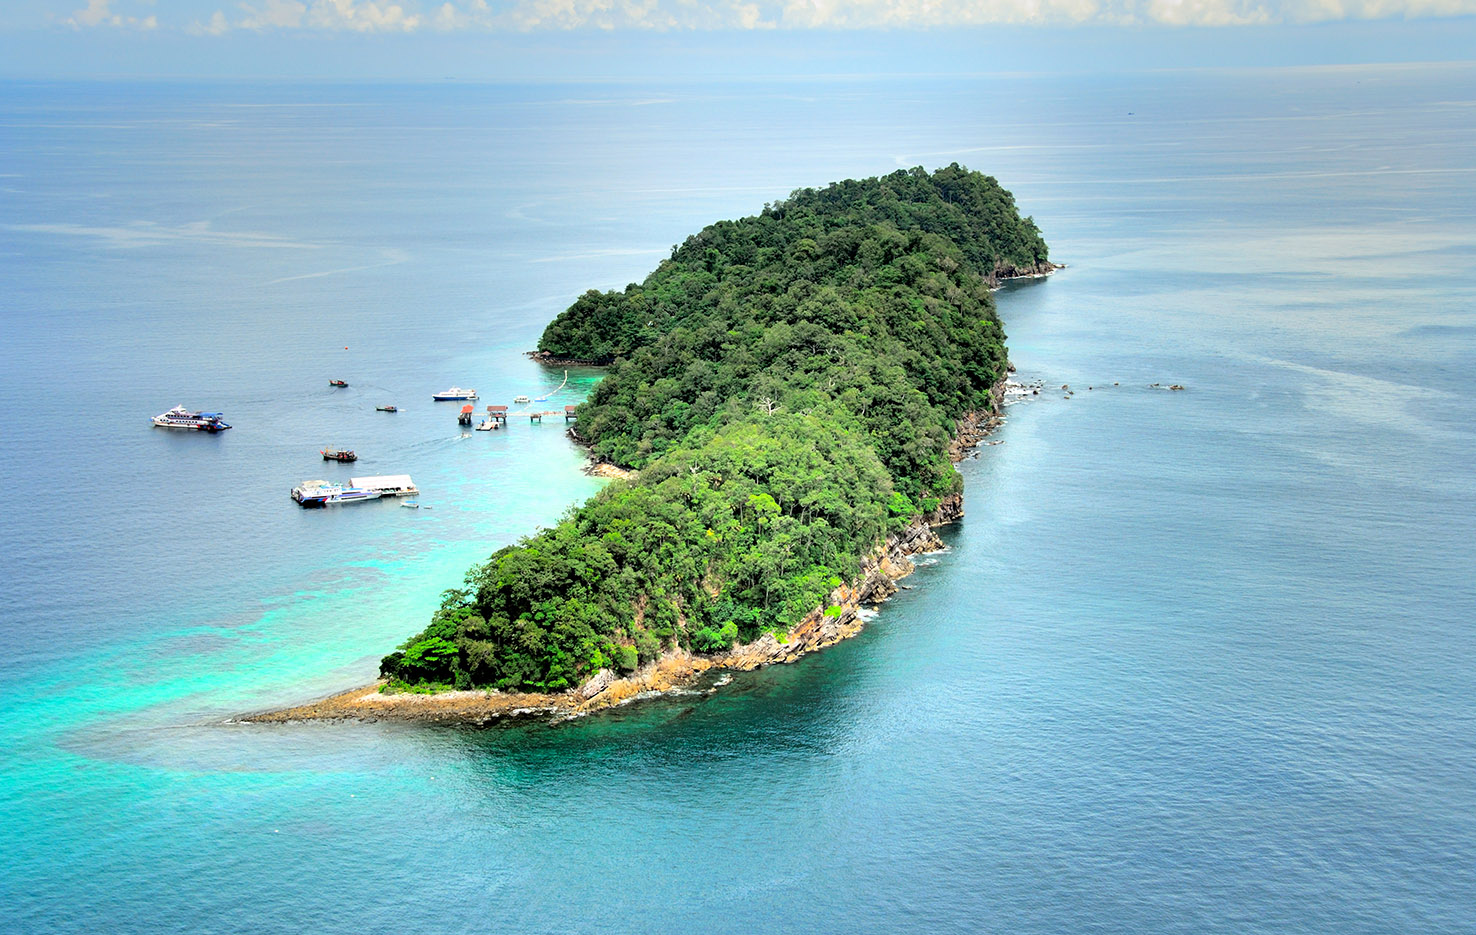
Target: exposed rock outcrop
{"x":599,"y":467}
{"x":600,"y":681}
{"x":1004,"y":271}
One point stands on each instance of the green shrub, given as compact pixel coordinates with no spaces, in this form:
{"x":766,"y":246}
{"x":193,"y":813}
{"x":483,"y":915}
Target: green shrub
{"x":708,"y":640}
{"x":648,"y":647}
{"x":627,"y":658}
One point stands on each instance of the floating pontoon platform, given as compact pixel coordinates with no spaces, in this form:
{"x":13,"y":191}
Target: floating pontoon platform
{"x":388,"y":485}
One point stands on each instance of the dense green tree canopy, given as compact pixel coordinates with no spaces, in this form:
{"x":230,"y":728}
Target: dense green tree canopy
{"x":787,"y":385}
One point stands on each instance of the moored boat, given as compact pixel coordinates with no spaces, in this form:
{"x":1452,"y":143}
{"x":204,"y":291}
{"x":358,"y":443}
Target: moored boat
{"x":181,"y":418}
{"x":522,"y":399}
{"x":454,"y":392}
{"x":312,"y":493}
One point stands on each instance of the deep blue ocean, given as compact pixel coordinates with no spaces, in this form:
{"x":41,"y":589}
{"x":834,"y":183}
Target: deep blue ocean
{"x":1199,"y":661}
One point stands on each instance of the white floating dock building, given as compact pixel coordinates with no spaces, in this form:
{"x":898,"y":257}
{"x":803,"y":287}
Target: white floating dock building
{"x":388,"y":485}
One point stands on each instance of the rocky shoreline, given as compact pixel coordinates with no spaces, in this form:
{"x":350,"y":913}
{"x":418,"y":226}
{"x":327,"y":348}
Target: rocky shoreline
{"x":676,"y":669}
{"x":548,"y":359}
{"x":1038,"y":271}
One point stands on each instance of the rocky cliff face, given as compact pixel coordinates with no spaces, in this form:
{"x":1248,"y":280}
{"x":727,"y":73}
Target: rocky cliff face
{"x":975,"y":426}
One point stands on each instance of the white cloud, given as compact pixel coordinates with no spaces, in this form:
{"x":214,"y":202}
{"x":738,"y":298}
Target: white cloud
{"x":218,"y":25}
{"x":96,"y":13}
{"x":531,"y":15}
{"x":866,"y":14}
{"x":1319,"y":10}
{"x":330,"y":15}
{"x":279,"y":14}
{"x":362,"y":16}
{"x":751,"y":17}
{"x":449,"y":19}
{"x":1206,"y":13}
{"x":100,"y":13}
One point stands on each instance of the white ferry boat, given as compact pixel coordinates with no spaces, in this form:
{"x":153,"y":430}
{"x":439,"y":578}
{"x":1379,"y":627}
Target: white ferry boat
{"x":323,"y":493}
{"x":181,"y":418}
{"x":326,"y":493}
{"x":455,"y":392}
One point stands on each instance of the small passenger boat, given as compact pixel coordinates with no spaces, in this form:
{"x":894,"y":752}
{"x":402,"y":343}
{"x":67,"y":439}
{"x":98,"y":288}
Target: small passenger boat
{"x":337,"y":383}
{"x":387,"y":408}
{"x":522,"y":399}
{"x":339,"y":454}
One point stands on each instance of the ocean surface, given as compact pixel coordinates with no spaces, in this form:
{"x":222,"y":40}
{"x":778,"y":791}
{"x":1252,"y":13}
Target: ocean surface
{"x":1199,"y":661}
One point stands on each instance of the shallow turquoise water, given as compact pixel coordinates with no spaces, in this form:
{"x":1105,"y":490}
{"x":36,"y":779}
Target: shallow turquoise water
{"x":1195,"y":661}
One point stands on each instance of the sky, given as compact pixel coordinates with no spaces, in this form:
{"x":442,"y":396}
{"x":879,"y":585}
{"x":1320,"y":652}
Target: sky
{"x":620,"y":39}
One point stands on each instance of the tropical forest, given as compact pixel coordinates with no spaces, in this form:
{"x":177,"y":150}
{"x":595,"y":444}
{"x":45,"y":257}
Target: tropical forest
{"x":786,"y":387}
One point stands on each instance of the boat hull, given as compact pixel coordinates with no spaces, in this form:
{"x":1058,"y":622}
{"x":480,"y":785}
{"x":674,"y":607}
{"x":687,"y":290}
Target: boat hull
{"x":322,"y":500}
{"x":316,"y":493}
{"x":217,"y":427}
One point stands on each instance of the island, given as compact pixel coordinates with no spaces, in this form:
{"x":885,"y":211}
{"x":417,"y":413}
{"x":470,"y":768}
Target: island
{"x":785,"y":396}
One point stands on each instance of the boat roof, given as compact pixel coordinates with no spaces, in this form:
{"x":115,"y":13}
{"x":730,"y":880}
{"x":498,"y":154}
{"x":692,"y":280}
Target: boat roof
{"x":383,"y":480}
